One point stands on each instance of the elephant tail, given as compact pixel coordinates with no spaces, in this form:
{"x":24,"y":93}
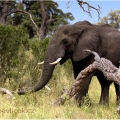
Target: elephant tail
{"x":97,"y":57}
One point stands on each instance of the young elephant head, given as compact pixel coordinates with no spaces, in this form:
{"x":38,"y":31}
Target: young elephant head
{"x":67,"y":42}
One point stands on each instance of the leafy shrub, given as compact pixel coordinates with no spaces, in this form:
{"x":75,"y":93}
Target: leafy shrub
{"x":13,"y":43}
{"x":38,"y":50}
{"x":19,"y":57}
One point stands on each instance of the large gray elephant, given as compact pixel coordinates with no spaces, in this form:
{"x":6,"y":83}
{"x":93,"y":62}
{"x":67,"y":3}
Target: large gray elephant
{"x":68,"y":42}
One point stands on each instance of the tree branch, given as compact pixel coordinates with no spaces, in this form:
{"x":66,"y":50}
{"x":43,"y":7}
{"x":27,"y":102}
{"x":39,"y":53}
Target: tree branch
{"x":81,"y":3}
{"x":111,"y":72}
{"x":17,"y":10}
{"x":31,"y":19}
{"x":50,"y":20}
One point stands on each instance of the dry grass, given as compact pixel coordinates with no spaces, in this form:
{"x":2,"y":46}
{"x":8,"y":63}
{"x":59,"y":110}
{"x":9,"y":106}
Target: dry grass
{"x":39,"y":105}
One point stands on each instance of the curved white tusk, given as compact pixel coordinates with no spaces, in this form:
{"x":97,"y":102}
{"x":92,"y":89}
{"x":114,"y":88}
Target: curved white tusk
{"x":41,"y":63}
{"x":57,"y":61}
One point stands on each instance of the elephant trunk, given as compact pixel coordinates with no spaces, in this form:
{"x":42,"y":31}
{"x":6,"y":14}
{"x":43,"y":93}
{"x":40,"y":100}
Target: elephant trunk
{"x":46,"y":75}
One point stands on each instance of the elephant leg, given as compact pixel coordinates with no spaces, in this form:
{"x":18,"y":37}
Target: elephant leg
{"x":83,"y":92}
{"x":105,"y":85}
{"x":117,"y":89}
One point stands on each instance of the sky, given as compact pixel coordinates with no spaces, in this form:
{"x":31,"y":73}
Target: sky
{"x":79,"y":15}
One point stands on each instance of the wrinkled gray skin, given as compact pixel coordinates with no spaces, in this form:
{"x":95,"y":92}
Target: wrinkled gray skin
{"x":69,"y":41}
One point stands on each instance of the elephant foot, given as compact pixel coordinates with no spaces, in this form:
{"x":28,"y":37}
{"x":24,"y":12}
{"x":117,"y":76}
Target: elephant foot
{"x":104,"y":103}
{"x":118,"y":111}
{"x":118,"y":105}
{"x":117,"y":89}
{"x":104,"y":100}
{"x":118,"y":101}
{"x":105,"y":85}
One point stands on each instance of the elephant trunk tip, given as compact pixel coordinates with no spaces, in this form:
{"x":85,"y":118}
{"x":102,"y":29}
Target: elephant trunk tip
{"x":21,"y":92}
{"x":25,"y":91}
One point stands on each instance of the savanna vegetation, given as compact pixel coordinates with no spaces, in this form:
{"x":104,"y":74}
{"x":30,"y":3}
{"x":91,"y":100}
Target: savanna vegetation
{"x":39,"y":105}
{"x":22,"y":46}
{"x":19,"y":58}
{"x":113,"y":18}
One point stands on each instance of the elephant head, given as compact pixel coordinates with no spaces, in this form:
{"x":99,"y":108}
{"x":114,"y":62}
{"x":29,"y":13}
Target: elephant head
{"x":68,"y":41}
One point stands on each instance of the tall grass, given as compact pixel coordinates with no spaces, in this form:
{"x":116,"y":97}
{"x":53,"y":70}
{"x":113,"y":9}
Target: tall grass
{"x":39,"y":105}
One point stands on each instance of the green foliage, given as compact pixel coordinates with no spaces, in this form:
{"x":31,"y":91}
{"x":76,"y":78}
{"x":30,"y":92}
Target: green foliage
{"x":39,"y":48}
{"x":32,"y":71}
{"x":10,"y":38}
{"x":87,"y":101}
{"x":33,"y":7}
{"x":37,"y":54}
{"x":13,"y":43}
{"x":113,"y":18}
{"x":19,"y":57}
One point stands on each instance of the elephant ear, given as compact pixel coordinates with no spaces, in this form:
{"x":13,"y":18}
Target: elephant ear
{"x":88,"y":39}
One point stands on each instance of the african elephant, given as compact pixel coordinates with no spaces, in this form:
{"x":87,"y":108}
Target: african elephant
{"x":68,"y":42}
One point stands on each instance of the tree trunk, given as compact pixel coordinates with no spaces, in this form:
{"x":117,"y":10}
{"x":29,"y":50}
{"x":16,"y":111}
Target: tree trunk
{"x":44,"y":22}
{"x":4,"y":12}
{"x":43,"y":26}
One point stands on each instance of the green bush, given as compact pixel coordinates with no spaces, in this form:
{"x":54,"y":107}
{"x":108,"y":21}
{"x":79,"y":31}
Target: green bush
{"x":13,"y":43}
{"x":39,"y":48}
{"x":19,"y":57}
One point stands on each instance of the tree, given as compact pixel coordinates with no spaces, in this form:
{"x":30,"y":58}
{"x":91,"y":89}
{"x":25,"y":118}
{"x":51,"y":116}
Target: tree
{"x":44,"y":11}
{"x":113,"y":18}
{"x":45,"y":14}
{"x":7,"y":7}
{"x":4,"y":11}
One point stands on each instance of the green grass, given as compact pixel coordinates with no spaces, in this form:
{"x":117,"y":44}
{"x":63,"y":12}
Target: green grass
{"x":39,"y":105}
